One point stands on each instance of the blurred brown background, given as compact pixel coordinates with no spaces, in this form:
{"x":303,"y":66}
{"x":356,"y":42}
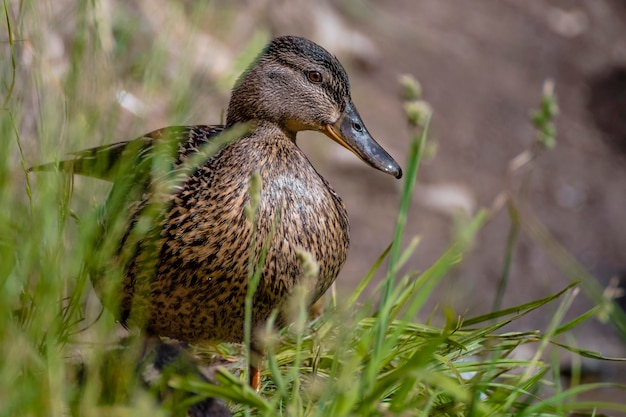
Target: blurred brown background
{"x":481,"y":64}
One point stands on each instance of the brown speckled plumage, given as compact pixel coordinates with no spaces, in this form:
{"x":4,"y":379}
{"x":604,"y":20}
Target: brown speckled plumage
{"x":188,"y":278}
{"x":200,"y":286}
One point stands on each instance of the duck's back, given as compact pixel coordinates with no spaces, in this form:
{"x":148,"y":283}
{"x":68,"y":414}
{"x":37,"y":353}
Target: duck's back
{"x":196,"y":289}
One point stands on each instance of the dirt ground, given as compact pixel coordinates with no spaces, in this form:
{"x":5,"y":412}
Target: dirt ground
{"x":482,"y":68}
{"x":482,"y":65}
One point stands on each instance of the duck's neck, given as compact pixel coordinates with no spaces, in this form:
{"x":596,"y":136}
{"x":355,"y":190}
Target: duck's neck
{"x":265,"y":129}
{"x":276,"y":131}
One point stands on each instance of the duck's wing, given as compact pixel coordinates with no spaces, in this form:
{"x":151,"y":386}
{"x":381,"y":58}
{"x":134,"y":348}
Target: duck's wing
{"x":139,"y":170}
{"x":109,"y":162}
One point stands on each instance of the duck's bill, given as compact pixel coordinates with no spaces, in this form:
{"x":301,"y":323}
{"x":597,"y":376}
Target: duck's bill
{"x":350,"y":132}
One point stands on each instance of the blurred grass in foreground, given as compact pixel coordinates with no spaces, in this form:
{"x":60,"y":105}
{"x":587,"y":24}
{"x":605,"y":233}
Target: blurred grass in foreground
{"x":362,"y":357}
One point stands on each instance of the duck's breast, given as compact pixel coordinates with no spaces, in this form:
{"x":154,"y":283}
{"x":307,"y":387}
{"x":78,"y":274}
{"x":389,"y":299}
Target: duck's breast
{"x":299,"y":214}
{"x":211,"y":242}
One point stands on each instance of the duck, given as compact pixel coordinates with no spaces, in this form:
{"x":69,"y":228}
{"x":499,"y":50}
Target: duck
{"x":187,"y":268}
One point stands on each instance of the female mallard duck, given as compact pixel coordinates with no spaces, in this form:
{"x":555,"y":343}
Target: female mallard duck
{"x":189,"y":281}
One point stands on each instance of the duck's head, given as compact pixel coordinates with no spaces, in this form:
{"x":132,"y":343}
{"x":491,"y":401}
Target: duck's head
{"x":297,"y":85}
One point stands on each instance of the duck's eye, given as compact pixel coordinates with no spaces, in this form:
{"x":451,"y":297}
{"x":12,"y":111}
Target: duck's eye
{"x":314,"y":76}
